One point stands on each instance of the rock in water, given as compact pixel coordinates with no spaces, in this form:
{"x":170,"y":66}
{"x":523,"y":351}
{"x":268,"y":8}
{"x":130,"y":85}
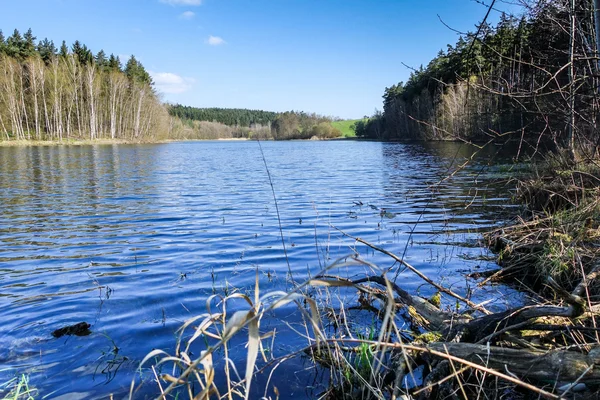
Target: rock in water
{"x":80,"y":329}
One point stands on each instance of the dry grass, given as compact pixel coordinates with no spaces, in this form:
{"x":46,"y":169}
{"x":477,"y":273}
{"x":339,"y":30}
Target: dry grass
{"x":559,"y":237}
{"x":395,"y":356}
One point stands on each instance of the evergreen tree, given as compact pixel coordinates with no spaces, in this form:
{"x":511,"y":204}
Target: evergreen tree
{"x":15,"y":45}
{"x":114,"y":64}
{"x":76,"y":49}
{"x":86,"y":56}
{"x":2,"y":42}
{"x":64,"y":50}
{"x":83,"y":54}
{"x":131,"y":69}
{"x":47,"y":50}
{"x":101,"y":60}
{"x":136,"y":72}
{"x":28,"y":49}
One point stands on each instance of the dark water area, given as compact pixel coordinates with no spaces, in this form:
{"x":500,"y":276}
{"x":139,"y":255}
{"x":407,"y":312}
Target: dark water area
{"x":134,"y":238}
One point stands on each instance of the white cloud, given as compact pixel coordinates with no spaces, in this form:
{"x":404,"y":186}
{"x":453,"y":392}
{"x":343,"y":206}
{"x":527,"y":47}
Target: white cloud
{"x":182,"y":2}
{"x":215,"y":40}
{"x":170,"y":83}
{"x":187,"y":15}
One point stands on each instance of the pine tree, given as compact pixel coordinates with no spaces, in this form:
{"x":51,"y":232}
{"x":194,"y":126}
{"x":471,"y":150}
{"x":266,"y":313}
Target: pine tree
{"x":14,"y":45}
{"x":76,"y":49}
{"x":86,"y":56}
{"x":47,"y":50}
{"x":64,"y":50}
{"x":136,"y":72}
{"x":2,"y":42}
{"x":131,"y":69}
{"x":28,"y":49}
{"x":101,"y":60}
{"x":114,"y":64}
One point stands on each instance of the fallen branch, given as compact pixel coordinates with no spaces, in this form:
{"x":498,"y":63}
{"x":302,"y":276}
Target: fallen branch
{"x":438,"y":319}
{"x":418,"y":273}
{"x":546,"y":367}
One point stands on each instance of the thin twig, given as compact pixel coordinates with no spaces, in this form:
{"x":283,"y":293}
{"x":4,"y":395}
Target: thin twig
{"x":287,"y":260}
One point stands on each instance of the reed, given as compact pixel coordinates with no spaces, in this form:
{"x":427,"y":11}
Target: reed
{"x":18,"y":388}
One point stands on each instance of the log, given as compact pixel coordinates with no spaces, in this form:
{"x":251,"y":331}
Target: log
{"x":479,"y":328}
{"x":545,"y":367}
{"x":438,"y":320}
{"x":469,"y":329}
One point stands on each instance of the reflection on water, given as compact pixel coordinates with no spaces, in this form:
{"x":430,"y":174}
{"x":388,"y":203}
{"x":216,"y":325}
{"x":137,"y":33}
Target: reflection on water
{"x":134,"y":238}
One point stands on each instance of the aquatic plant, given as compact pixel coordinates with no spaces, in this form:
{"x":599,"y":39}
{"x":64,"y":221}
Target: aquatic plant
{"x":18,"y":389}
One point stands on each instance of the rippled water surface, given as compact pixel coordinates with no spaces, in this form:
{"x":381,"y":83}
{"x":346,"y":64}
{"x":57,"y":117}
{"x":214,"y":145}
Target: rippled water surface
{"x":134,"y":238}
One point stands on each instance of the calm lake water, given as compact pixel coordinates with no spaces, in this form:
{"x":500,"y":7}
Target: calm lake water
{"x":134,"y":238}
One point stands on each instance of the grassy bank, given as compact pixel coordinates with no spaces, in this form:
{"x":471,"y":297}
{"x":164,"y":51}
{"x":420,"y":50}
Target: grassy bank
{"x":345,"y":127}
{"x":555,"y":244}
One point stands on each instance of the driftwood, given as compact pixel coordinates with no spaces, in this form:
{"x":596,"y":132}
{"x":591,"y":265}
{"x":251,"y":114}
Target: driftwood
{"x":492,"y":341}
{"x":481,"y":327}
{"x":470,"y":329}
{"x":540,"y":366}
{"x":437,"y":319}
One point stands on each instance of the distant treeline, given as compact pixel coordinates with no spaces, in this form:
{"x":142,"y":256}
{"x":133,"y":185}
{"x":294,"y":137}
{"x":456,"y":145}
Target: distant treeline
{"x":533,"y":75}
{"x":227,"y":116}
{"x":70,"y":92}
{"x":245,"y":123}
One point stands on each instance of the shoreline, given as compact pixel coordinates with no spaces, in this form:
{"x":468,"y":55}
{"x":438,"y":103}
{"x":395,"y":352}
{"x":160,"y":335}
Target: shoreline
{"x":87,"y":142}
{"x":67,"y":142}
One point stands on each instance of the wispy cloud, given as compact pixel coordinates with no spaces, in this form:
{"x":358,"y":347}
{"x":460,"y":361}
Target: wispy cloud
{"x":182,"y":2}
{"x":188,"y":15}
{"x":215,"y":40}
{"x":170,"y":83}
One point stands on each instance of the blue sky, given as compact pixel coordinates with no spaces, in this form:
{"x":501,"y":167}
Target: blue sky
{"x":333,"y":57}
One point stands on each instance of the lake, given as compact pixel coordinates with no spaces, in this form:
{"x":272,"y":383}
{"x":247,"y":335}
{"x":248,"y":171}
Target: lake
{"x":134,"y":238}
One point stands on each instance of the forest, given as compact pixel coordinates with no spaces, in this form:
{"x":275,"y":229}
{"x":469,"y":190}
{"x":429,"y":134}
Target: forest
{"x":227,"y":116}
{"x":244,"y":123}
{"x":71,"y":93}
{"x":533,"y":77}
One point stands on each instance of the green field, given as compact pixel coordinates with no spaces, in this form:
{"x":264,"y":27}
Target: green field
{"x":344,"y":126}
